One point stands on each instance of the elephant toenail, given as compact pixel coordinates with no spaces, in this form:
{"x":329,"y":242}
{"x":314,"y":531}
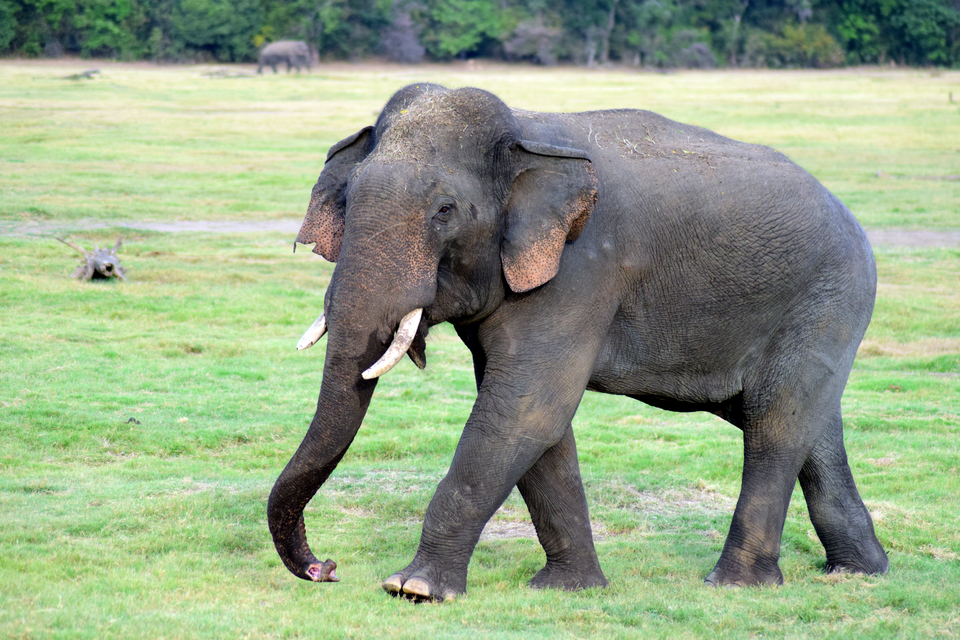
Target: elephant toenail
{"x":417,"y":587}
{"x":393,"y":584}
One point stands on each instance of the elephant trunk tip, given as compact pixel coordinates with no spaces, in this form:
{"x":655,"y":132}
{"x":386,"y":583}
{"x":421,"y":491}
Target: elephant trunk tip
{"x":290,"y":538}
{"x":325,"y":571}
{"x":302,"y":563}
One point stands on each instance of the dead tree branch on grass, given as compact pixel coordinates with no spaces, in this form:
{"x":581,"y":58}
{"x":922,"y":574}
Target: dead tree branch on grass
{"x":99,"y":263}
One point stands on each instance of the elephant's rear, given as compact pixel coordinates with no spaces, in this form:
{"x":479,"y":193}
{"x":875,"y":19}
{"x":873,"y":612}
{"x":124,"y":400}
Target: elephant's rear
{"x":854,"y":258}
{"x":782,"y":281}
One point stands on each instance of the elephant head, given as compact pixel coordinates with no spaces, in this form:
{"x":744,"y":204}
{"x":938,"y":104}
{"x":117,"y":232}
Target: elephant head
{"x":436,"y":213}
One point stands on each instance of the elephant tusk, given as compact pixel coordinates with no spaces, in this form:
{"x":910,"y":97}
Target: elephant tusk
{"x":401,"y":342}
{"x":314,"y":333}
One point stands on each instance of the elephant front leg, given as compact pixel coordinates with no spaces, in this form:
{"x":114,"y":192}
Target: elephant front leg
{"x":553,"y":491}
{"x":451,"y":528}
{"x":500,"y":443}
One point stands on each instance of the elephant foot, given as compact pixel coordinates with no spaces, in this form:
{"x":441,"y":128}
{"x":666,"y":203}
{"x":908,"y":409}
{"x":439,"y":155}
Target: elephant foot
{"x":877,"y":562}
{"x":728,"y":575}
{"x":418,"y":587}
{"x":568,"y":578}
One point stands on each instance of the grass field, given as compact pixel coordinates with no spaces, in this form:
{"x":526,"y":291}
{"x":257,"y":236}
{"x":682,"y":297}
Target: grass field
{"x":142,"y":424}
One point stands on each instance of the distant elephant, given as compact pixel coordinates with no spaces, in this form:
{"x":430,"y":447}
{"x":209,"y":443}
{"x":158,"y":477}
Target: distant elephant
{"x":612,"y":251}
{"x":294,"y":52}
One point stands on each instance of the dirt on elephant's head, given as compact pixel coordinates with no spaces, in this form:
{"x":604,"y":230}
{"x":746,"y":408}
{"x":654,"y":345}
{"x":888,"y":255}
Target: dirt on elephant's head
{"x":437,"y":119}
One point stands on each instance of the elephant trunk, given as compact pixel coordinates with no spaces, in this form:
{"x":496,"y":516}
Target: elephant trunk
{"x":344,"y":398}
{"x":371,"y":320}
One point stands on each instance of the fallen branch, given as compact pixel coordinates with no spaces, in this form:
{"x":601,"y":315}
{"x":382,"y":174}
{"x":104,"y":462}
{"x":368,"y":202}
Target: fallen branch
{"x":85,"y":75}
{"x":99,"y":263}
{"x":220,"y":73}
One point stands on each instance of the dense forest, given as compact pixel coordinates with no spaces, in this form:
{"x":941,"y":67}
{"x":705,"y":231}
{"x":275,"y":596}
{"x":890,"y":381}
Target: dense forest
{"x":641,"y":33}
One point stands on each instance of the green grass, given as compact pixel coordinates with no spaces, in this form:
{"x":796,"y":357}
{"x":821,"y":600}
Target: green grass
{"x":142,"y":424}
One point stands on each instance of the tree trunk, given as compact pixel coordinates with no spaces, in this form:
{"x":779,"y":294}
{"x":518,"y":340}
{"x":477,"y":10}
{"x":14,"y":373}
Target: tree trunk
{"x":735,"y":40}
{"x":605,"y":37}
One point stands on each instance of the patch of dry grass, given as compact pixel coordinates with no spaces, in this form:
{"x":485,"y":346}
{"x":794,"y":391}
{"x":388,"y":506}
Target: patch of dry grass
{"x":924,"y":348}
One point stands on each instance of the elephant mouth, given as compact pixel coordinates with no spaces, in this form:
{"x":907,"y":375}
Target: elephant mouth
{"x":402,"y":341}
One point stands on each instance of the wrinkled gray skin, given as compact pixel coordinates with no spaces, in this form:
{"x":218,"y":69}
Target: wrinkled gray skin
{"x":294,"y":53}
{"x":615,"y":251}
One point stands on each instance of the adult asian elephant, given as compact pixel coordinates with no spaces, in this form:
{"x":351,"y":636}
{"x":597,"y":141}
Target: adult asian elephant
{"x":295,"y":53}
{"x":615,"y":251}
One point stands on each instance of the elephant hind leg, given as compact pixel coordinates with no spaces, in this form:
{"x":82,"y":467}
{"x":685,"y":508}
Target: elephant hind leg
{"x":839,"y":516}
{"x":751,"y":552}
{"x":553,"y":491}
{"x":780,"y":429}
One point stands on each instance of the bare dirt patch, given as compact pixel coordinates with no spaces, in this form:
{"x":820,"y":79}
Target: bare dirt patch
{"x":913,"y":238}
{"x":498,"y":529}
{"x":658,"y":506}
{"x":290,"y":225}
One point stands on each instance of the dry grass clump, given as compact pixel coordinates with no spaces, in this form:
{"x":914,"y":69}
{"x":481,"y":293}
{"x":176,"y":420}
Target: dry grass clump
{"x":926,"y":348}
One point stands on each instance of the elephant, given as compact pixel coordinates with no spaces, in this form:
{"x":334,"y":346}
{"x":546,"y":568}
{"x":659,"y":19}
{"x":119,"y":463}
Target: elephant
{"x":613,"y":251}
{"x":295,"y":53}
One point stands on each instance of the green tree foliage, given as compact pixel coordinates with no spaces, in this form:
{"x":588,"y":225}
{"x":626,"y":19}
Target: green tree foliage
{"x":661,"y":33}
{"x":458,"y":28}
{"x":336,"y":28}
{"x":8,"y":24}
{"x":905,"y":31}
{"x":648,"y":33}
{"x":209,"y":29}
{"x":39,"y":24}
{"x":797,"y":45}
{"x":109,"y":28}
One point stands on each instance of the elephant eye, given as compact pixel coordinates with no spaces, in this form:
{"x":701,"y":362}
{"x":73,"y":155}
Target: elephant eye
{"x":444,"y":214}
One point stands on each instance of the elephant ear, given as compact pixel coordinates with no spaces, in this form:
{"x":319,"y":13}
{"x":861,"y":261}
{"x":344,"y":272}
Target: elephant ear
{"x":550,"y":200}
{"x":324,"y":222}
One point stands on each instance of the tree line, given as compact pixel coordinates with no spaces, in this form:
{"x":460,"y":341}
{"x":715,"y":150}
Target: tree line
{"x":641,"y":33}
